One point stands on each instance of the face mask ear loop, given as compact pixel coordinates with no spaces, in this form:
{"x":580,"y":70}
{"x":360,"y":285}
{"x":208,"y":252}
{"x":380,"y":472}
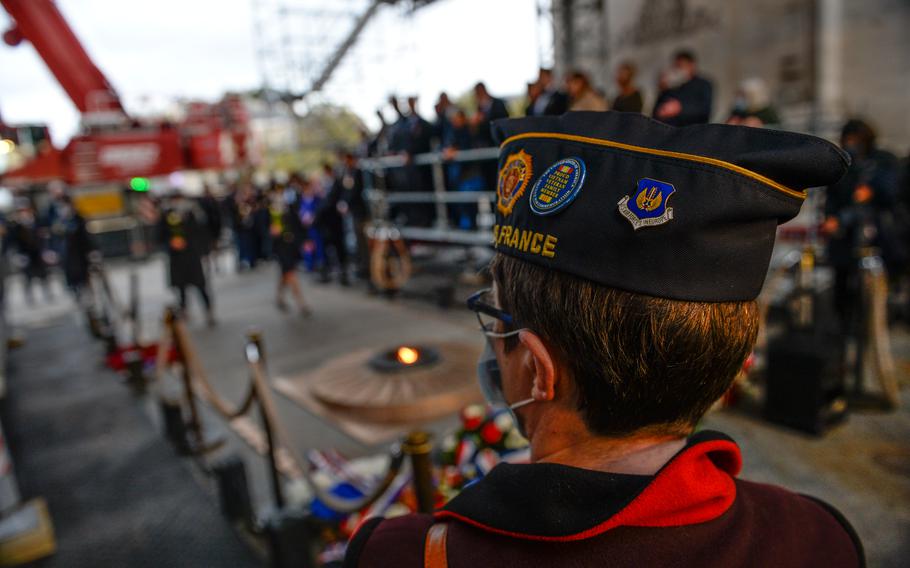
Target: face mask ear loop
{"x":496,"y":335}
{"x":521,"y":403}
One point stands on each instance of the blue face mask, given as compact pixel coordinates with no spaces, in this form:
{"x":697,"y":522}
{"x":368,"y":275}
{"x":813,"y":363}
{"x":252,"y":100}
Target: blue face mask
{"x":490,"y":378}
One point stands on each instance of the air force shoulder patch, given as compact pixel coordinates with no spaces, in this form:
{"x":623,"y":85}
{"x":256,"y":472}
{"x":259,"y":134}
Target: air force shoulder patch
{"x":648,"y":205}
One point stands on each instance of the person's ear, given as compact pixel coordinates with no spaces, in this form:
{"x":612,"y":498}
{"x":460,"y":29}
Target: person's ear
{"x":541,"y":366}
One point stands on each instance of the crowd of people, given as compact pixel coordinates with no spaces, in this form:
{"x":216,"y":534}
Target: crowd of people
{"x":318,"y":221}
{"x":683,"y":96}
{"x":304,"y":222}
{"x":35,"y":241}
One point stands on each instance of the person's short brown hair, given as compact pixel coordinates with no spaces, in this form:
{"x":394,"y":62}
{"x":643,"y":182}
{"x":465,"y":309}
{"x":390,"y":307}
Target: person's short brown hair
{"x":685,"y":54}
{"x":638,"y":362}
{"x":630,"y":67}
{"x":579,"y":75}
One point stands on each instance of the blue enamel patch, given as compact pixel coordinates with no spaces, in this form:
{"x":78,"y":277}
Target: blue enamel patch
{"x":648,"y":205}
{"x":558,"y":186}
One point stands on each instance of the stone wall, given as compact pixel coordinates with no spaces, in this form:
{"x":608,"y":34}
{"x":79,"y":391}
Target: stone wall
{"x":823,"y":60}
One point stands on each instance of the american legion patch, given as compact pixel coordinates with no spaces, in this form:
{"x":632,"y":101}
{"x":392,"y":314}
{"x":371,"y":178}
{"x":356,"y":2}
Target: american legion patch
{"x":647,"y":206}
{"x":558,"y":186}
{"x":513,"y":180}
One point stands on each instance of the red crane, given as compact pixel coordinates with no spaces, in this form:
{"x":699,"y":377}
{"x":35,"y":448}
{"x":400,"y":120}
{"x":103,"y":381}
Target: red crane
{"x":114,"y":147}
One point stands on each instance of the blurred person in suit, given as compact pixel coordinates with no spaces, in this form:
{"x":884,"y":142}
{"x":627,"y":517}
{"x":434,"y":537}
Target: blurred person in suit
{"x":688,"y":96}
{"x":489,"y":108}
{"x":629,"y":98}
{"x":183,"y":235}
{"x":551,"y":101}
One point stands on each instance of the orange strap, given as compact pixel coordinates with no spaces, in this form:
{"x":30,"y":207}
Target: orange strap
{"x":435,"y":550}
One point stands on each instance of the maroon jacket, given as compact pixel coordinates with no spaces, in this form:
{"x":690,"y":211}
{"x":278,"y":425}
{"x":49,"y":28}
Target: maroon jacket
{"x":693,"y":512}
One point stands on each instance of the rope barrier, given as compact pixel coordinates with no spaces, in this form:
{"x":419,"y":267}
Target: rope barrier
{"x":876,"y":299}
{"x":224,"y":407}
{"x":264,"y":394}
{"x":283,"y":454}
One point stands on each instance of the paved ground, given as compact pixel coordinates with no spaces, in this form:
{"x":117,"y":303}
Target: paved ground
{"x":863,"y":467}
{"x":117,"y":493}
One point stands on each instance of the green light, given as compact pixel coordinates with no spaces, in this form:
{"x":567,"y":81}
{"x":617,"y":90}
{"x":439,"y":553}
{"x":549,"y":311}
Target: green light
{"x":139,"y":184}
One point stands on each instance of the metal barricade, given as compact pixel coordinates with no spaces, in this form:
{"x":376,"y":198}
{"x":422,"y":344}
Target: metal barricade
{"x":441,"y":232}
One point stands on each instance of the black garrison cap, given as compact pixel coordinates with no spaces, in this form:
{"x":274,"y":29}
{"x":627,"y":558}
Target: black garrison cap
{"x":631,"y":203}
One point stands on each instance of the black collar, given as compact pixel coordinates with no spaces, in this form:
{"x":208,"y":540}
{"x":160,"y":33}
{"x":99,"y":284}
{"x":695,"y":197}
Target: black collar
{"x":547,"y":501}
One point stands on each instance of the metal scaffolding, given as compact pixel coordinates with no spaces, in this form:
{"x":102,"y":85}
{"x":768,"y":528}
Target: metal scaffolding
{"x":302,"y":44}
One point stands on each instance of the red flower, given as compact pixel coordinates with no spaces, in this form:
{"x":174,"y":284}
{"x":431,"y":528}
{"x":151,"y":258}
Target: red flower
{"x":472,"y":417}
{"x":490,"y":433}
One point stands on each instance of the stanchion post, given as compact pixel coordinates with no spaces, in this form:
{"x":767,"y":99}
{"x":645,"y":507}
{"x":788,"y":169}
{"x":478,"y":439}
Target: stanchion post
{"x":134,"y":307}
{"x":418,"y":446}
{"x":439,"y":192}
{"x":254,"y":338}
{"x":195,"y":424}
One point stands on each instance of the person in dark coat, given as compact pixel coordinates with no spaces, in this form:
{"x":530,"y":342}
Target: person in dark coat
{"x":262,"y":239}
{"x":182,"y":233}
{"x":688,"y":96}
{"x":287,"y":238}
{"x":865,"y":198}
{"x":532,"y":95}
{"x":398,"y":136}
{"x":51,"y":219}
{"x":419,"y":178}
{"x":623,"y":306}
{"x":465,"y":176}
{"x":242,"y":206}
{"x":330,"y":222}
{"x":550,"y":101}
{"x":629,"y":98}
{"x":78,"y":247}
{"x":443,"y":109}
{"x":489,"y":108}
{"x":214,"y":222}
{"x":29,"y":239}
{"x":355,"y":202}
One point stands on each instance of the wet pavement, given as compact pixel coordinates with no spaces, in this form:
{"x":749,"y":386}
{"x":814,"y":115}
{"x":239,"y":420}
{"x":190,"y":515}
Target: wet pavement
{"x":117,"y":493}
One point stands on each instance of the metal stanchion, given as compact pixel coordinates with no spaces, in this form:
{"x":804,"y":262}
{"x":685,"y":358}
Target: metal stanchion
{"x":135,"y":368}
{"x":256,"y":354}
{"x":199,"y":444}
{"x":289,"y":532}
{"x":135,"y":309}
{"x":233,"y":490}
{"x":195,"y":424}
{"x":439,"y":191}
{"x":174,"y":425}
{"x":133,"y":358}
{"x":418,"y":446}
